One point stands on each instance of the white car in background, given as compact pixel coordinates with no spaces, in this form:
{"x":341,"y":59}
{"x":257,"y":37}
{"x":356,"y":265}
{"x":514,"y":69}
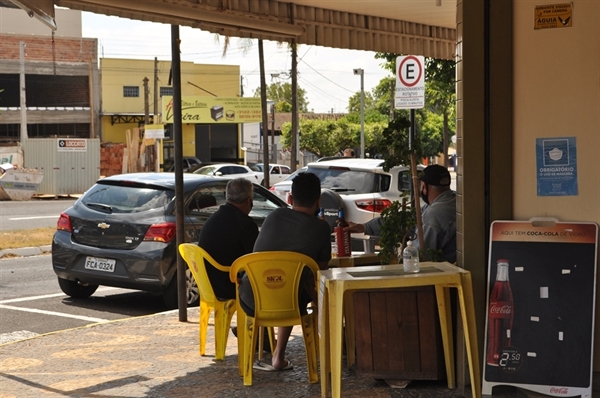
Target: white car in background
{"x":283,"y":188}
{"x":277,"y":172}
{"x":227,"y":170}
{"x":363,"y":189}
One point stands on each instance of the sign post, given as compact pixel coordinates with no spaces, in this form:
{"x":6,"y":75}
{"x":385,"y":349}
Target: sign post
{"x":410,"y":94}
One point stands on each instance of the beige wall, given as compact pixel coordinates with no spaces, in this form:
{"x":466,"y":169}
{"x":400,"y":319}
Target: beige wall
{"x":557,"y":94}
{"x":68,"y":23}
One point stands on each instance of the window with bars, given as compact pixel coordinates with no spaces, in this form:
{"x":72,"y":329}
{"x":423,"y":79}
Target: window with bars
{"x":131,"y":91}
{"x":166,"y":91}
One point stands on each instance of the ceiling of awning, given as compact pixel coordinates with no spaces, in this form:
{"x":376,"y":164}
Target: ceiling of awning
{"x":420,"y":27}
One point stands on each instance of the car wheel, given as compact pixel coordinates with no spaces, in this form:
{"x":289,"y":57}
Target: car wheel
{"x":193,"y":293}
{"x":76,"y":289}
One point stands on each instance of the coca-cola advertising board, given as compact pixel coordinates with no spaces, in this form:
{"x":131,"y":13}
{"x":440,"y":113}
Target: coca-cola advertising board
{"x":540,"y":307}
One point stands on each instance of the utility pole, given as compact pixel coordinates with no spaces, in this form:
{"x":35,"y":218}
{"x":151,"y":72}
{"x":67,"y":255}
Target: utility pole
{"x":146,"y":102}
{"x":23,"y":93}
{"x":273,"y":124}
{"x":265,"y":114}
{"x":295,"y":124}
{"x":155,"y":115}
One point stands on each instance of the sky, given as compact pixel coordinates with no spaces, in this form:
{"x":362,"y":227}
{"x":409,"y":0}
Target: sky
{"x":326,"y":74}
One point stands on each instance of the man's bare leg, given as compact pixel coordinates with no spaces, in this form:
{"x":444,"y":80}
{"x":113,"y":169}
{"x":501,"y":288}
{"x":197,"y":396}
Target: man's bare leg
{"x":283,"y":335}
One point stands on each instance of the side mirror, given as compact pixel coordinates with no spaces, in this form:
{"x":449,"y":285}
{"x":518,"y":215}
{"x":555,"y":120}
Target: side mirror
{"x":218,"y":173}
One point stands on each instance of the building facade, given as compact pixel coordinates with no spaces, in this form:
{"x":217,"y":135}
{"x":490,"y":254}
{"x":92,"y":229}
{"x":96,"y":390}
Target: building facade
{"x":57,"y":73}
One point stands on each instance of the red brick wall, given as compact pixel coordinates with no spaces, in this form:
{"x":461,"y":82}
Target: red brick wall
{"x":111,"y":159}
{"x":41,"y":48}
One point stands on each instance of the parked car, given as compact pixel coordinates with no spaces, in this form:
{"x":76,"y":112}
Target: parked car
{"x":121,"y":232}
{"x":227,"y":170}
{"x":364,"y":188}
{"x":277,"y":172}
{"x":188,"y":163}
{"x":283,"y":188}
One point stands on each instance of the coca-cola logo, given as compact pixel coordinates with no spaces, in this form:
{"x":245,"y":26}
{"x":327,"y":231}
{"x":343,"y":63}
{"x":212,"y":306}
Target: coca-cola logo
{"x":559,"y":390}
{"x":500,"y":309}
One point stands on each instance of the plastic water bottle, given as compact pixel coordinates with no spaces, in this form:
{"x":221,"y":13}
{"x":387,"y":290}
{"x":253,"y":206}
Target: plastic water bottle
{"x":410,"y":258}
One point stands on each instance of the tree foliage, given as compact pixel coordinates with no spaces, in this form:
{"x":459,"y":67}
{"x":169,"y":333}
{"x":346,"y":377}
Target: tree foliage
{"x":281,"y":94}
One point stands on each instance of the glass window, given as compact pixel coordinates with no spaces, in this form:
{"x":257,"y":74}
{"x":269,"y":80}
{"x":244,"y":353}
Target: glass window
{"x":207,"y":200}
{"x":125,"y":199}
{"x":131,"y":91}
{"x":350,"y":181}
{"x":166,"y":91}
{"x":261,"y":206}
{"x":238,"y":170}
{"x":285,"y":170}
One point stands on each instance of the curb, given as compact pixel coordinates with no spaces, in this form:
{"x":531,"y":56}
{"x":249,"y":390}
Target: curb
{"x":26,"y":251}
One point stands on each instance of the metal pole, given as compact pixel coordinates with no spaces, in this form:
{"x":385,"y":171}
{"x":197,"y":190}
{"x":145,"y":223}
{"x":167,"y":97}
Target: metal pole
{"x":23,"y":97}
{"x":415,"y":178}
{"x":178,"y":144}
{"x":362,"y":114}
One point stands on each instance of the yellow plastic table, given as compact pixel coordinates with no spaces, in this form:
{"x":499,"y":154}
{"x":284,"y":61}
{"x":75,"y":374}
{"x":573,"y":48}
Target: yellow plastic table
{"x":336,"y":284}
{"x":355,"y":260}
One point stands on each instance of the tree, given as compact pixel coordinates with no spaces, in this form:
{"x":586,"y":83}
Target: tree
{"x":440,"y":99}
{"x":281,"y":94}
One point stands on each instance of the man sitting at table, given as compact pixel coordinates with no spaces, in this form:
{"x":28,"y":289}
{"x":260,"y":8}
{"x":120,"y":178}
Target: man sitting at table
{"x":229,"y":233}
{"x":299,"y":230}
{"x":438,"y":215}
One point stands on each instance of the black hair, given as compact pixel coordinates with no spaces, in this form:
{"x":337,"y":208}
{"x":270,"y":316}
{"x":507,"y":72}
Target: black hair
{"x":306,"y":189}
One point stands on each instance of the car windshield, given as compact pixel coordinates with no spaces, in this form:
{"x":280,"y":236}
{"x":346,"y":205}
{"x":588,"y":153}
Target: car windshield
{"x":126,"y":199}
{"x":257,"y":167}
{"x":206,"y":170}
{"x":343,"y":180}
{"x":295,"y":173}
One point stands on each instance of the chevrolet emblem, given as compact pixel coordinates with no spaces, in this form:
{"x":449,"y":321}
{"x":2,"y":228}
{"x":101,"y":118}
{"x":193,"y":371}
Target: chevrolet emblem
{"x":103,"y":225}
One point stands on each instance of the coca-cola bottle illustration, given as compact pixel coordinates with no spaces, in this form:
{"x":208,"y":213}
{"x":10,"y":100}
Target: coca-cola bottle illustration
{"x":501,"y":315}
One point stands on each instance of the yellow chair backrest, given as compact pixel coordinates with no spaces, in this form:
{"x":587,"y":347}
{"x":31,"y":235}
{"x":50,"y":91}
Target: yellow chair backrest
{"x":196,"y":258}
{"x":275,"y":278}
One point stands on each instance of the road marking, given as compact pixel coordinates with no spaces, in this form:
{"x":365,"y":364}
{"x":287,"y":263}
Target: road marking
{"x":44,"y":312}
{"x":31,"y":218}
{"x":31,"y":298}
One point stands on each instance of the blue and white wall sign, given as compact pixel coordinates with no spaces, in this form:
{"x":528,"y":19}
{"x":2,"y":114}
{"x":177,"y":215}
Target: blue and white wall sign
{"x":556,"y":166}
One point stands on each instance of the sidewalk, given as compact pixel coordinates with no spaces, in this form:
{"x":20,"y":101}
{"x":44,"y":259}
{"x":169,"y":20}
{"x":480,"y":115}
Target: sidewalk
{"x":157,"y":356}
{"x":26,"y":251}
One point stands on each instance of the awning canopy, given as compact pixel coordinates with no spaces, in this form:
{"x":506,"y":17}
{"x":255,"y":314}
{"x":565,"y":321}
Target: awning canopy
{"x":420,"y":27}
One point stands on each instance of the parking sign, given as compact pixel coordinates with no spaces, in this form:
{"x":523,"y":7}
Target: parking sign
{"x":410,"y":82}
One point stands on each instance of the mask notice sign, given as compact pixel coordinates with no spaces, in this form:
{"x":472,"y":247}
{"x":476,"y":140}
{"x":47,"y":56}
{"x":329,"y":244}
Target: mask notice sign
{"x":553,"y":16}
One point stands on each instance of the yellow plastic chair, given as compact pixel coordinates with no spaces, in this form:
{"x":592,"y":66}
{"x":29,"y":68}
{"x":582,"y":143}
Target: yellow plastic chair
{"x":196,"y":259}
{"x":275,"y":278}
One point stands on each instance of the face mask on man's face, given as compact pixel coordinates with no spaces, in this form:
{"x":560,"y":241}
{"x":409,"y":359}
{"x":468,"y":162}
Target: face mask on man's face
{"x":424,"y":197}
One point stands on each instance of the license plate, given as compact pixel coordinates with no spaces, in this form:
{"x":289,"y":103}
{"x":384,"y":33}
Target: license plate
{"x":100,"y":264}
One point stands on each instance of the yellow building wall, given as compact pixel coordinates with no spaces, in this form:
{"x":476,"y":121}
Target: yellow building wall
{"x":557,"y":94}
{"x":196,"y":80}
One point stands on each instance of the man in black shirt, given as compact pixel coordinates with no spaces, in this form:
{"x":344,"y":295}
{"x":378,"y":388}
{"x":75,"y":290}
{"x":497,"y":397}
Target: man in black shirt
{"x":228,"y":234}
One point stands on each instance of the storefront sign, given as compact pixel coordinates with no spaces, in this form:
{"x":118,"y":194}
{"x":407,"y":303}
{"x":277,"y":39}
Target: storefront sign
{"x":553,"y":16}
{"x":71,"y":145}
{"x":214,"y":110}
{"x":556,"y":166}
{"x":154,"y":131}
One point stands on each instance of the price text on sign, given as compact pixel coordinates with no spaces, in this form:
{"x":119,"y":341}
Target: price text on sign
{"x":410,"y":82}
